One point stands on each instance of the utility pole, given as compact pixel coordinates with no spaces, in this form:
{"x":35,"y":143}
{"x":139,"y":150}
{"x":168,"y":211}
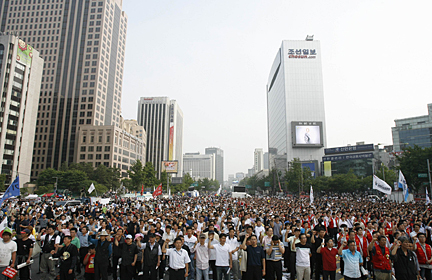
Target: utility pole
{"x":429,"y":175}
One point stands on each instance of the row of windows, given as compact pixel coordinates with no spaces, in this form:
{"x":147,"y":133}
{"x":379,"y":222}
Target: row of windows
{"x":98,"y":156}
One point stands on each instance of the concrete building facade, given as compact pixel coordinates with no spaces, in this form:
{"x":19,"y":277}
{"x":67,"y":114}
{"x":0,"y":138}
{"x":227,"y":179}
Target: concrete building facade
{"x":83,"y":45}
{"x":200,"y":166}
{"x":111,"y":145}
{"x":219,"y":161}
{"x":162,"y":120}
{"x":20,"y":74}
{"x":295,"y":104}
{"x":258,"y":160}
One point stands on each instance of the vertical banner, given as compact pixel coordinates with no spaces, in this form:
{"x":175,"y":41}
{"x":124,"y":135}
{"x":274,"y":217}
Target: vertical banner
{"x":171,"y":142}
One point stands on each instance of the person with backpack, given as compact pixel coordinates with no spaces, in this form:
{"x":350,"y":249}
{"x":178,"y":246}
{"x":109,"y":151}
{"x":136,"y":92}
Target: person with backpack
{"x":49,"y":241}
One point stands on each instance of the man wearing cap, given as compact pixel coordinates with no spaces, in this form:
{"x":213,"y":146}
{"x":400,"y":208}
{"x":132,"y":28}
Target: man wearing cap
{"x":178,"y":260}
{"x":201,"y":258}
{"x":24,"y":253}
{"x":152,"y":255}
{"x":8,"y":251}
{"x":129,"y":251}
{"x":102,"y":256}
{"x":49,"y":241}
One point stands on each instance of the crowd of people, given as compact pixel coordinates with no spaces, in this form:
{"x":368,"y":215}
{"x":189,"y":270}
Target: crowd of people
{"x":220,"y":238}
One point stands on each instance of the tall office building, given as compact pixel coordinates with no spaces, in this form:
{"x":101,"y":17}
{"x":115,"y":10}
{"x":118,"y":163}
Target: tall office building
{"x":266,"y":160}
{"x":295,"y":104}
{"x":200,"y":166}
{"x":162,"y":119}
{"x":20,"y":74}
{"x":219,"y":162}
{"x":83,"y":45}
{"x":413,"y":131}
{"x":258,"y":160}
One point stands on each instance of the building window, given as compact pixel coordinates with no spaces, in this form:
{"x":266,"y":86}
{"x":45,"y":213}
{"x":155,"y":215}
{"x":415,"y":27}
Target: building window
{"x":107,"y":156}
{"x":99,"y":149}
{"x":98,"y":156}
{"x":89,"y":156}
{"x":83,"y":149}
{"x":82,"y":156}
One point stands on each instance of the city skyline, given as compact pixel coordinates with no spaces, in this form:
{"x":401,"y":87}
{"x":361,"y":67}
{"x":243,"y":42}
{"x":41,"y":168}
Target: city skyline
{"x":219,"y":77}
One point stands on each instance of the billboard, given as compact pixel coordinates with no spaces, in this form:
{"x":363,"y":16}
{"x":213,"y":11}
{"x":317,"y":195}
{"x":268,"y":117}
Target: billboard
{"x":307,"y":134}
{"x":24,"y":53}
{"x":170,"y":166}
{"x":349,"y":149}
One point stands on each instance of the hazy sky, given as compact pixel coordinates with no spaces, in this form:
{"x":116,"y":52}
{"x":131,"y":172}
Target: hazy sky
{"x":214,"y":58}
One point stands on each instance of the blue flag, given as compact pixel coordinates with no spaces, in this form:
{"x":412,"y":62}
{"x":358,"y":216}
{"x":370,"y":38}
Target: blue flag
{"x":12,"y":191}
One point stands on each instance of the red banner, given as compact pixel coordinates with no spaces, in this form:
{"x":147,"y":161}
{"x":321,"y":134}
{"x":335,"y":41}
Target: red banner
{"x":10,"y":272}
{"x":158,"y":191}
{"x":142,"y":190}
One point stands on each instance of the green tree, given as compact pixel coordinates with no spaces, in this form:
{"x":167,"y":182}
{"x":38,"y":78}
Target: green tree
{"x":44,"y":189}
{"x":413,"y":161}
{"x":82,"y":166}
{"x":187,"y":180}
{"x":46,"y":177}
{"x":137,"y":175}
{"x":388,"y":175}
{"x":163,"y":180}
{"x":150,"y":179}
{"x":73,"y":180}
{"x":298,"y":178}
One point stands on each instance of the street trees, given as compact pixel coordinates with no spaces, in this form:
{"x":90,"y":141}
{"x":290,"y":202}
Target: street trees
{"x":413,"y":161}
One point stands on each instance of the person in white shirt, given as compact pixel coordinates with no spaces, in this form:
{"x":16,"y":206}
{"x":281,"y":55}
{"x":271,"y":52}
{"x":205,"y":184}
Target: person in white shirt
{"x":223,"y":257}
{"x":8,"y":249}
{"x":190,"y":241}
{"x":202,"y":258}
{"x":178,"y":260}
{"x":259,"y":229}
{"x":233,"y":242}
{"x":168,"y":234}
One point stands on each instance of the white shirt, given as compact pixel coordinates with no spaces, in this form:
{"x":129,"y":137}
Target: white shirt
{"x":169,"y":236}
{"x":258,"y":230}
{"x":190,"y":241}
{"x":233,"y":243}
{"x":177,"y":259}
{"x":222,"y":254}
{"x":202,"y":256}
{"x":6,"y":250}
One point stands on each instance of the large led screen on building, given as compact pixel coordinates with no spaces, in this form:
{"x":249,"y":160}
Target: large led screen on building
{"x":307,"y":134}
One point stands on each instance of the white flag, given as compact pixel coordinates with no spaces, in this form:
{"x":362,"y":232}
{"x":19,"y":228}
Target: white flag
{"x":427,"y":197}
{"x":381,"y":185}
{"x":311,"y":196}
{"x":92,"y":188}
{"x":219,"y":190}
{"x":403,"y":185}
{"x":3,"y":225}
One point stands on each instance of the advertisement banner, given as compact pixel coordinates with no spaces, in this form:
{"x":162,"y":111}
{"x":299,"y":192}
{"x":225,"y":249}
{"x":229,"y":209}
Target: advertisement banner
{"x":171,"y":142}
{"x":25,"y":53}
{"x":170,"y":166}
{"x":308,"y":135}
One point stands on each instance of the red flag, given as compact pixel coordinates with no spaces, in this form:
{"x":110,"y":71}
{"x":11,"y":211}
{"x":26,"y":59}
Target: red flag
{"x":142,"y":189}
{"x":158,"y":191}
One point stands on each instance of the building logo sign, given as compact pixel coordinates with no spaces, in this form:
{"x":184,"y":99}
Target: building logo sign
{"x":302,"y":53}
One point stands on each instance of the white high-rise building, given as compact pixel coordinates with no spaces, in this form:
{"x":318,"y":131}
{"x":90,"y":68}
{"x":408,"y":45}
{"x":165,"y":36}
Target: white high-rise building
{"x":258,"y":160}
{"x":20,"y":74}
{"x":295,"y":104}
{"x":219,"y":161}
{"x":200,"y":166}
{"x":162,"y":120}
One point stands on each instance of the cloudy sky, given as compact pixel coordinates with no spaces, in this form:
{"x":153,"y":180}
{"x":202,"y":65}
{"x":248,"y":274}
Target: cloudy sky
{"x":214,"y":58}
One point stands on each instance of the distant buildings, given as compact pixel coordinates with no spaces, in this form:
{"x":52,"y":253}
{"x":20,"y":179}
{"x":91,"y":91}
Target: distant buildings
{"x":219,"y":162}
{"x":200,"y":166}
{"x":295,"y":104}
{"x":413,"y":131}
{"x":112,"y":146}
{"x":20,"y":75}
{"x":258,"y":160}
{"x":162,"y":119}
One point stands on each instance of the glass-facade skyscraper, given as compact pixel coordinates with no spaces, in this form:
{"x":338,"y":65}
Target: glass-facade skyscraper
{"x":83,"y":45}
{"x":295,"y":104}
{"x":413,"y":131}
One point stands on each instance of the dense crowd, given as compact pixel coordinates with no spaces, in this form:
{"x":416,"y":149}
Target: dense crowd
{"x":251,"y":238}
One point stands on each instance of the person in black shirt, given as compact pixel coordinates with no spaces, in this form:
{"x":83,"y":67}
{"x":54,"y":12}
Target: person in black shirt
{"x":404,"y":260}
{"x":319,"y":240}
{"x":68,"y":259}
{"x":24,"y":253}
{"x":129,"y":251}
{"x":133,"y":227}
{"x":256,"y":268}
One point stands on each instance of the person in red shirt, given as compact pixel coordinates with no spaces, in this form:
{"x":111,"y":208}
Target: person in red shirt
{"x":329,"y":255}
{"x":89,"y":273}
